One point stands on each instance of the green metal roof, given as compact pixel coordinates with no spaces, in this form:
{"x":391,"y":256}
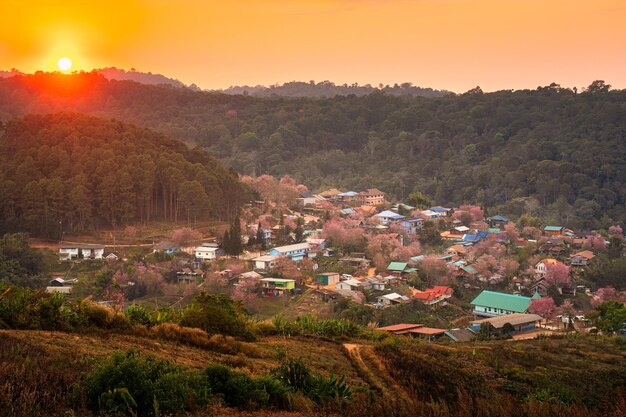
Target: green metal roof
{"x":469,"y":269}
{"x":503,"y":301}
{"x":409,"y":270}
{"x":553,"y":228}
{"x":494,"y":230}
{"x":396,"y":266}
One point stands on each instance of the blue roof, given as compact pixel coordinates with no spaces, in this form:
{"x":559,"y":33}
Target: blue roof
{"x":498,"y":218}
{"x":438,"y":209}
{"x":482,"y":235}
{"x":413,"y":220}
{"x":390,"y":214}
{"x":471,"y":238}
{"x":306,"y":194}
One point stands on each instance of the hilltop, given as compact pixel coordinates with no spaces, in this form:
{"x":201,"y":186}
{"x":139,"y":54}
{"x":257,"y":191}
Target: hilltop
{"x":552,"y":147}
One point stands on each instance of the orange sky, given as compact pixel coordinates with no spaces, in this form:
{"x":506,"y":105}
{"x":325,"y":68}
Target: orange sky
{"x":448,"y":44}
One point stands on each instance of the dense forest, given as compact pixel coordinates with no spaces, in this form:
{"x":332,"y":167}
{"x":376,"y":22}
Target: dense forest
{"x":554,"y":152}
{"x":65,"y":172}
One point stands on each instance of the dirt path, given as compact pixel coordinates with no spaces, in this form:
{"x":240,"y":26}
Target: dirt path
{"x":376,"y":373}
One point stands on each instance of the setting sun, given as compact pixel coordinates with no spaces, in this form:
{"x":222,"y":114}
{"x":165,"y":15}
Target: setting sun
{"x":64,"y":64}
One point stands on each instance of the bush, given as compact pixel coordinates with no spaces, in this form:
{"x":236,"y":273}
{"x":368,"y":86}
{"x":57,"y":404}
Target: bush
{"x":149,"y":381}
{"x":137,"y":314}
{"x":318,"y":388}
{"x":217,"y":314}
{"x":236,"y":388}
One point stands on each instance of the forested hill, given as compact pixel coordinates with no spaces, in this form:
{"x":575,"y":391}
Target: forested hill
{"x":563,"y":150}
{"x":329,"y":89}
{"x":63,"y":172}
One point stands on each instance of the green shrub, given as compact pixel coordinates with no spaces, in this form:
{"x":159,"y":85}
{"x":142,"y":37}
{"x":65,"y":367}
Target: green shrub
{"x":318,"y":388}
{"x":149,"y":381}
{"x":235,"y":388}
{"x":137,"y":314}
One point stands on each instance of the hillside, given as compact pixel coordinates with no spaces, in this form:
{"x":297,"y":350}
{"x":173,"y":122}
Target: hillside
{"x":550,"y":152}
{"x":549,"y":377}
{"x":148,"y":78}
{"x":69,"y":172}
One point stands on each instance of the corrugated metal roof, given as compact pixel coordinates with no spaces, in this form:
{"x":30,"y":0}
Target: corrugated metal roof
{"x":502,"y":301}
{"x":396,"y":266}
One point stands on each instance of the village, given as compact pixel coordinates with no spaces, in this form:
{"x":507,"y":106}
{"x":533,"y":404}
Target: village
{"x":329,"y":254}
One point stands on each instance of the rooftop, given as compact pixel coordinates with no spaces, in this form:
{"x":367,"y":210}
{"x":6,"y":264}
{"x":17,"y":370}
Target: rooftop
{"x":513,"y":319}
{"x":502,"y":301}
{"x":400,"y":327}
{"x":288,"y":248}
{"x":397,"y":266}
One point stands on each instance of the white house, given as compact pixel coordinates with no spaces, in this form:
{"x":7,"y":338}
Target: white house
{"x":391,"y":299}
{"x":352,"y":285}
{"x":295,"y":252}
{"x":388,"y":217}
{"x":265,"y":262}
{"x":542,"y":266}
{"x":205,"y":253}
{"x":81,"y":251}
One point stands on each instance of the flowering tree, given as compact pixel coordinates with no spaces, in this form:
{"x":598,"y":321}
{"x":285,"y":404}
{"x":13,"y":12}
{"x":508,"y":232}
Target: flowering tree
{"x":531,"y":232}
{"x":433,"y":269}
{"x":383,"y":244}
{"x":605,"y":294}
{"x":594,"y":242}
{"x":475,"y":212}
{"x":557,"y":274}
{"x":545,"y":307}
{"x":405,"y":253}
{"x":186,"y":236}
{"x":343,"y":234}
{"x":508,"y":266}
{"x":287,"y":268}
{"x":486,"y":264}
{"x":512,"y":234}
{"x":616,"y":231}
{"x":247,"y":293}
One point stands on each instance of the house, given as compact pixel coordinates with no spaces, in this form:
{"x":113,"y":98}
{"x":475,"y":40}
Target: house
{"x":429,"y":214}
{"x":542,"y":266}
{"x":497,"y":220}
{"x":399,"y":329}
{"x":433,"y":296}
{"x":306,"y":199}
{"x":457,"y":250}
{"x":391,"y":299}
{"x":399,"y":268}
{"x":356,"y":262}
{"x":371,"y":197}
{"x":554,"y":230}
{"x":460,"y":230}
{"x":265,"y":262}
{"x":166,"y":247}
{"x":316,"y":244}
{"x":492,"y":304}
{"x":81,"y":251}
{"x":581,"y":258}
{"x":205,"y":253}
{"x":187,"y":276}
{"x":388,"y":217}
{"x":509,"y":323}
{"x":352,"y":285}
{"x":460,"y":335}
{"x":348,"y":196}
{"x":277,"y":286}
{"x":347,"y":211}
{"x":112,"y":257}
{"x":249,"y":276}
{"x":427,"y":333}
{"x":331,"y":194}
{"x":412,"y":225}
{"x":414,"y":330}
{"x":295,"y":252}
{"x":60,"y":285}
{"x":467,"y":271}
{"x":441,"y":211}
{"x":327,"y":278}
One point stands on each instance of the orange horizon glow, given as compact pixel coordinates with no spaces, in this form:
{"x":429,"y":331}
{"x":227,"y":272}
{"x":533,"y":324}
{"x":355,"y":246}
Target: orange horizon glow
{"x":444,"y":44}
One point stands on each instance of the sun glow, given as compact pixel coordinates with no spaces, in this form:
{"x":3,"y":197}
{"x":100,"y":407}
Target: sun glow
{"x":64,"y":64}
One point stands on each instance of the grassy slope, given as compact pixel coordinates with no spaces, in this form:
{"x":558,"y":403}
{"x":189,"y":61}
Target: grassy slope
{"x":40,"y":367}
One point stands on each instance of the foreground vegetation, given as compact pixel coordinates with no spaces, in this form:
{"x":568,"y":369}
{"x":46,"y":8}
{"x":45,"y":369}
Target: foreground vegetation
{"x":211,"y":355}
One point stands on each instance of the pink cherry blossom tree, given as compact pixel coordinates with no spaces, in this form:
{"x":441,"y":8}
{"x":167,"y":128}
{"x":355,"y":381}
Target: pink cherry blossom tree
{"x":433,"y":270}
{"x":186,"y":236}
{"x":616,"y":231}
{"x":545,"y":307}
{"x":558,"y":275}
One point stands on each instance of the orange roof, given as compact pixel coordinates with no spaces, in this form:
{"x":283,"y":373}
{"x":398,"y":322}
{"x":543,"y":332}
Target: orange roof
{"x":548,"y":261}
{"x":441,"y":290}
{"x":427,"y":331}
{"x":400,"y":327}
{"x":457,"y":248}
{"x":585,"y":254}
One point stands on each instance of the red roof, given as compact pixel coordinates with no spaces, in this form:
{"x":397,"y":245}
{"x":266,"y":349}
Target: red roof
{"x":427,"y":331}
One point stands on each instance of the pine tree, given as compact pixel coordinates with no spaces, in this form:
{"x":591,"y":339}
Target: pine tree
{"x":259,"y":236}
{"x":235,"y":237}
{"x":226,"y":243}
{"x":299,"y":230}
